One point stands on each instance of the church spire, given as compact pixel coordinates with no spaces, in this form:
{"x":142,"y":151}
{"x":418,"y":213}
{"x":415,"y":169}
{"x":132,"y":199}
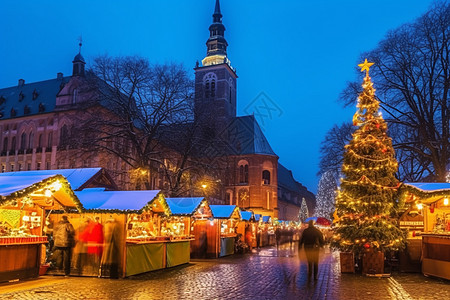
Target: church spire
{"x":78,"y":62}
{"x":216,"y":44}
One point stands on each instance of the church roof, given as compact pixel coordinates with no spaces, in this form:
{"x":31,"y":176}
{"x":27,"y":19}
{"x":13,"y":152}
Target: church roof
{"x":286,"y":179}
{"x":25,"y":99}
{"x":246,"y":137}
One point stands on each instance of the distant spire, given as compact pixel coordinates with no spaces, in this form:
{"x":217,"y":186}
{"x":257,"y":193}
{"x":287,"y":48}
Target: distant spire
{"x":78,"y":61}
{"x":80,"y":44}
{"x":217,"y":9}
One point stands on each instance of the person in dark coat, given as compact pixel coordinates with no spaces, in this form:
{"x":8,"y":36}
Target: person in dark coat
{"x":278,"y":236}
{"x":312,"y":239}
{"x":63,"y":235}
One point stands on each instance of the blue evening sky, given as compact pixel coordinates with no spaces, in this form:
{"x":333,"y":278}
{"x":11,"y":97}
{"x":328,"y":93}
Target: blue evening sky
{"x":299,"y":53}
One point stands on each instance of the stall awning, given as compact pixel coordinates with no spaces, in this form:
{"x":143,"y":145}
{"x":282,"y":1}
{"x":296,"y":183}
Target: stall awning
{"x":428,"y":192}
{"x":257,"y":217}
{"x":184,"y":206}
{"x":247,"y":215}
{"x":36,"y":187}
{"x":266,"y":219}
{"x":119,"y":201}
{"x":225,"y":211}
{"x":78,"y":178}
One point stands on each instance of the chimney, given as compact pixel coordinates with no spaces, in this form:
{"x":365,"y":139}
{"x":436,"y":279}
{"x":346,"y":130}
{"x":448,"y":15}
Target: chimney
{"x":59,"y":76}
{"x":21,"y":82}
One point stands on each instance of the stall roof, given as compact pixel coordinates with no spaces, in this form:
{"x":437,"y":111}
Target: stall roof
{"x":184,"y":206}
{"x":429,"y":192}
{"x":76,"y":177}
{"x":223,"y":211}
{"x":246,"y":215}
{"x":15,"y":186}
{"x":11,"y":184}
{"x":257,"y":217}
{"x":266,"y":219}
{"x":430,"y":186}
{"x":125,"y":201}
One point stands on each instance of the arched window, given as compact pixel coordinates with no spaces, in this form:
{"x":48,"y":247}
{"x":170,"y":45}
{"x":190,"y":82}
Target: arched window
{"x":266,"y":177}
{"x":243,"y":172}
{"x":23,"y":141}
{"x":5,"y":144}
{"x":209,"y":83}
{"x":13,"y":144}
{"x":50,"y":140}
{"x":64,"y":136}
{"x":213,"y":88}
{"x":75,"y":96}
{"x":30,"y":140}
{"x":40,"y":141}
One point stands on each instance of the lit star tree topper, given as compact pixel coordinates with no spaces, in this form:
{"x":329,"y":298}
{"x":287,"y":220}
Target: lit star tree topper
{"x":365,"y":201}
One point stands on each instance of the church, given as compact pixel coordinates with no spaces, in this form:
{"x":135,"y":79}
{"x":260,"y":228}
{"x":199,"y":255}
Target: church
{"x":36,"y":119}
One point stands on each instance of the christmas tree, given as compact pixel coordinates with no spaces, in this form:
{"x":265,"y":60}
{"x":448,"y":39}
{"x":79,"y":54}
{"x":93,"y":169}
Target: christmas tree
{"x":326,"y":194}
{"x":303,"y":214}
{"x":366,"y":198}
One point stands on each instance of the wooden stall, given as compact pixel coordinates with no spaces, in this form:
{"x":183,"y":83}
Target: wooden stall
{"x":123,"y":233}
{"x":188,"y":220}
{"x":24,"y":204}
{"x":247,"y":228}
{"x":267,"y":229}
{"x":432,"y":201}
{"x":221,"y":232}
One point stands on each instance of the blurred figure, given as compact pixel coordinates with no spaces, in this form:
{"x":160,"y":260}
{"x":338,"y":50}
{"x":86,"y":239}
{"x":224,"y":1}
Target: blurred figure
{"x":95,"y":243}
{"x":278,"y":236}
{"x":111,"y":251}
{"x":290,"y":236}
{"x":248,"y":236}
{"x":258,"y":238}
{"x":312,"y":239}
{"x":64,"y":240}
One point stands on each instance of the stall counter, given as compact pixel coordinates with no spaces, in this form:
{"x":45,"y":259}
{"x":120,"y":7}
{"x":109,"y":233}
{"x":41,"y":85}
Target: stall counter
{"x":20,"y":257}
{"x":436,"y":255}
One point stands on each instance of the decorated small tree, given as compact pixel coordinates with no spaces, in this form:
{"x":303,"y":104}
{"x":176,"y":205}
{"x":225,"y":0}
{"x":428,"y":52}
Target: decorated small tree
{"x":303,"y":214}
{"x":326,"y":194}
{"x":366,"y":198}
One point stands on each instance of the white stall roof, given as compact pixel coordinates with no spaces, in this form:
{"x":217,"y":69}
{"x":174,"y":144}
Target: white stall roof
{"x":12,"y":184}
{"x":184,"y":206}
{"x":96,"y":199}
{"x":76,"y":177}
{"x":430,"y":186}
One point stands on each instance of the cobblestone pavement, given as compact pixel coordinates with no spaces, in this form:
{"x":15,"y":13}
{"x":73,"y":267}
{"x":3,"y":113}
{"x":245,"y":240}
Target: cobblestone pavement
{"x":264,"y":274}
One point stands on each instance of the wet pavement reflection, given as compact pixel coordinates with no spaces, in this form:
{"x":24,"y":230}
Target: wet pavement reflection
{"x":265,"y":273}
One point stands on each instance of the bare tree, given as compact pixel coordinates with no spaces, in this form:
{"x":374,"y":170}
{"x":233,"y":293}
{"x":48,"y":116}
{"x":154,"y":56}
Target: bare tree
{"x":412,"y":74}
{"x":139,"y":102}
{"x":332,"y":149}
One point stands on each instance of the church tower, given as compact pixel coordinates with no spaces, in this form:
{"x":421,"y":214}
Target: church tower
{"x":215,"y":81}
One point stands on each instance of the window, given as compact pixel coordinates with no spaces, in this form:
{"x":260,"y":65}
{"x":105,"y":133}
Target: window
{"x":243,"y":173}
{"x":20,"y":167}
{"x":207,"y":89}
{"x":11,"y":167}
{"x":266,"y":177}
{"x":23,"y":141}
{"x":5,"y":144}
{"x":40,"y":141}
{"x":28,"y":166}
{"x":209,"y":83}
{"x":74,"y":96}
{"x":47,"y":165}
{"x":3,"y":168}
{"x":30,"y":140}
{"x":13,"y":144}
{"x":38,"y":166}
{"x":50,"y":140}
{"x":213,"y":88}
{"x":35,"y":94}
{"x":64,"y":136}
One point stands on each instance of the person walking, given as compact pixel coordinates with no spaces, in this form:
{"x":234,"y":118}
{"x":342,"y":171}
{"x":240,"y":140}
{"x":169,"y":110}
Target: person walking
{"x":64,"y":241}
{"x":312,"y":239}
{"x":278,"y":236}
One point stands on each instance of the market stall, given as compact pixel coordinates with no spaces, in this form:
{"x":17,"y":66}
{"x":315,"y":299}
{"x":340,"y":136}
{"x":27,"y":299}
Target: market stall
{"x":431,"y":200}
{"x":24,"y":204}
{"x":122,"y":233}
{"x":247,"y":228}
{"x":222,"y":233}
{"x":267,"y":229}
{"x":189,"y":221}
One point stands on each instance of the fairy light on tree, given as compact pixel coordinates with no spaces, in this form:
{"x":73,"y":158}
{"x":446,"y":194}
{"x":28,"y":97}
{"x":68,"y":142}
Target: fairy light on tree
{"x":366,"y":198}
